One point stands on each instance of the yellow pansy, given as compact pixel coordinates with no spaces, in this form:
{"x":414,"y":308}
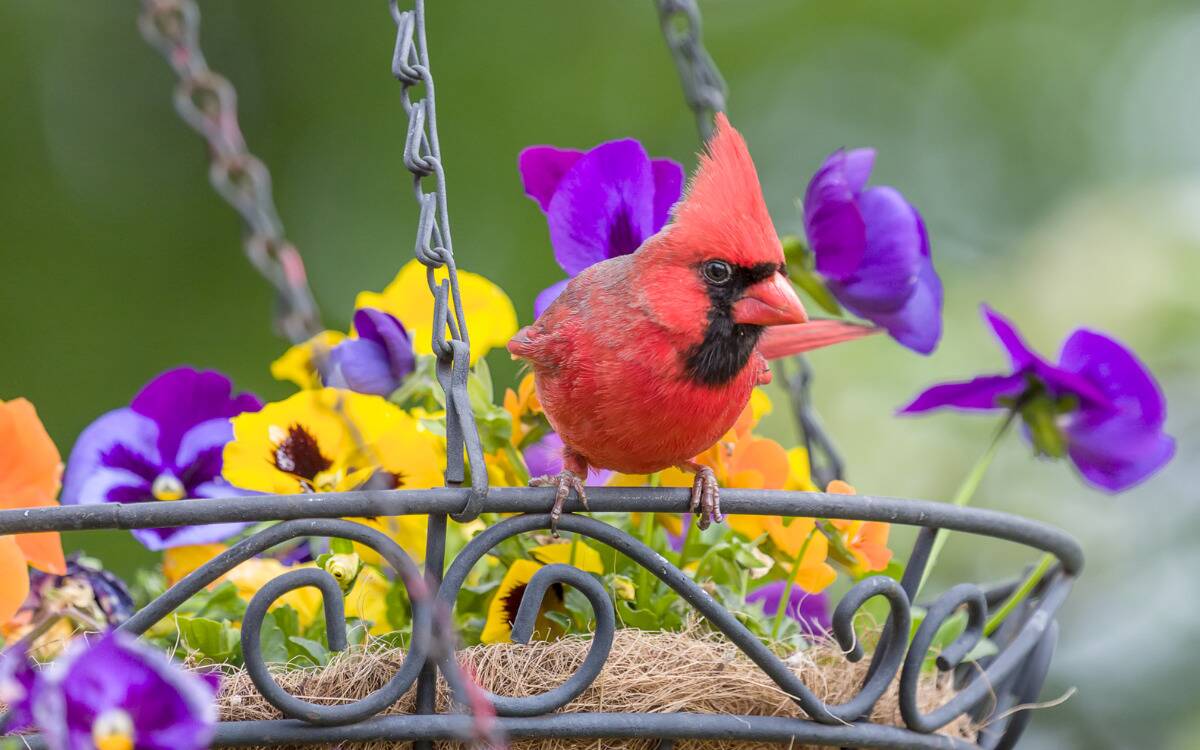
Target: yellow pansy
{"x":502,"y":610}
{"x":299,"y":364}
{"x":179,"y":561}
{"x":490,"y":313}
{"x":407,"y":531}
{"x":331,"y":440}
{"x":799,"y":471}
{"x":253,"y":574}
{"x":368,"y":601}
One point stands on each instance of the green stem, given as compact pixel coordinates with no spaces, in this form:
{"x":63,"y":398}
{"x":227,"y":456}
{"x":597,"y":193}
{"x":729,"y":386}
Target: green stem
{"x":786,"y":599}
{"x":966,"y":491}
{"x":643,"y":584}
{"x":688,"y":536}
{"x":1018,"y":596}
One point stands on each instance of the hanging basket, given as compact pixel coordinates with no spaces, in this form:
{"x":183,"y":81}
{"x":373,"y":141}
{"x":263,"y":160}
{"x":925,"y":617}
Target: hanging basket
{"x":837,"y":697}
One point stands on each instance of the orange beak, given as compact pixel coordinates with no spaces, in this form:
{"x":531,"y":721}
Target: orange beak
{"x":770,"y":302}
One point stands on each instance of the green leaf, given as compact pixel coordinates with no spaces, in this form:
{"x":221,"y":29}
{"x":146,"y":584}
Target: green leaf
{"x":483,"y":375}
{"x":222,"y":603}
{"x":341,"y":546}
{"x":302,"y":648}
{"x":287,"y":619}
{"x":631,"y":617}
{"x":561,"y":619}
{"x":218,"y":641}
{"x":273,"y":641}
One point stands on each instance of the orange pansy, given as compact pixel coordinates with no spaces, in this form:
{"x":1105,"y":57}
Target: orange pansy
{"x":866,"y":540}
{"x":30,"y":474}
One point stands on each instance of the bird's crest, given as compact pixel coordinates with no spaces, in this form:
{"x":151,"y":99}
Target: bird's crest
{"x":724,"y":206}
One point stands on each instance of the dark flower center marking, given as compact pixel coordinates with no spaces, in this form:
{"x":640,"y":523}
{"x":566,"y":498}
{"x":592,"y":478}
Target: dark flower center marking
{"x":512,"y":600}
{"x":299,"y":454}
{"x":623,"y":239}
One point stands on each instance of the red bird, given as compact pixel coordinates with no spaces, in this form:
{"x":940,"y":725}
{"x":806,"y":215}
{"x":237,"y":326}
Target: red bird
{"x":645,"y":360}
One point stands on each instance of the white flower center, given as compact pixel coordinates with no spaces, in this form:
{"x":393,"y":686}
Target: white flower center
{"x":113,"y":730}
{"x":168,"y":487}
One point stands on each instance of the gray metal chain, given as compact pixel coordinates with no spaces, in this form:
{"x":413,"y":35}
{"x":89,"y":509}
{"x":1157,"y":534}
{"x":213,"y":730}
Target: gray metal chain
{"x":423,"y":157}
{"x":705,"y":91}
{"x":208,"y":103}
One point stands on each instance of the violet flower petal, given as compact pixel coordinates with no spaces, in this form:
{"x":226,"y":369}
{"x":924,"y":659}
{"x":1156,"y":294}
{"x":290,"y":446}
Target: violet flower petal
{"x":1117,"y":447}
{"x":387,"y":331}
{"x":604,"y":206}
{"x":18,"y":683}
{"x":118,"y":427}
{"x":547,"y":296}
{"x":668,"y":187}
{"x":544,"y":458}
{"x":810,"y":610}
{"x":836,"y":230}
{"x":170,"y":708}
{"x":982,"y":393}
{"x":362,"y":366}
{"x":179,"y":399}
{"x":542,"y":169}
{"x":1059,"y":380}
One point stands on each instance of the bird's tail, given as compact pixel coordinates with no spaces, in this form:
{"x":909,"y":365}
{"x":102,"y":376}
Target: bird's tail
{"x":786,"y":340}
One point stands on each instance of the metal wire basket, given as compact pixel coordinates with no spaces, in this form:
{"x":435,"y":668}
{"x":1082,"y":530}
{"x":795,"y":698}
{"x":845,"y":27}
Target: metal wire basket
{"x":989,"y":687}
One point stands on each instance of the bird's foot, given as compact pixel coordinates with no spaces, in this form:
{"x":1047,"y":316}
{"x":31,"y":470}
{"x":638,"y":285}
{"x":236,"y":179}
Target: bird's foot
{"x":706,"y":494}
{"x":563,"y":482}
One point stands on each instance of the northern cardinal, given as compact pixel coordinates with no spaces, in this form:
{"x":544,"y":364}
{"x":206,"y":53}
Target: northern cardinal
{"x":645,"y":360}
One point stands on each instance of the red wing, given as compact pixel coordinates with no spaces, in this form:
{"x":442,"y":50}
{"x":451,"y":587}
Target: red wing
{"x":784,"y":341}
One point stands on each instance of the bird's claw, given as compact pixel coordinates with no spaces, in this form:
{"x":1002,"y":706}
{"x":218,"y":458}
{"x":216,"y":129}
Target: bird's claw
{"x":706,"y":497}
{"x":563,"y":482}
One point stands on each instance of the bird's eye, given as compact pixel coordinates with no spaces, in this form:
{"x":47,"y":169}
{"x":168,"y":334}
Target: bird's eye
{"x":717,"y":272}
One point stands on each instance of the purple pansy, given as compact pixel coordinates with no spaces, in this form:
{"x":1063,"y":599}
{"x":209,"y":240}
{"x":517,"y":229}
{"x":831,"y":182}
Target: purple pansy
{"x":377,"y":361}
{"x":544,"y":458}
{"x":94,"y":591}
{"x":18,"y":680}
{"x":599,"y":204}
{"x":1102,"y":403}
{"x":119,"y":692}
{"x":810,"y":610}
{"x":871,"y":246}
{"x":166,"y":445}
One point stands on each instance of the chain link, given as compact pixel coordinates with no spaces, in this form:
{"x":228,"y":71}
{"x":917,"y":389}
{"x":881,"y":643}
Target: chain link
{"x":208,"y":103}
{"x":423,"y":158}
{"x":705,"y":91}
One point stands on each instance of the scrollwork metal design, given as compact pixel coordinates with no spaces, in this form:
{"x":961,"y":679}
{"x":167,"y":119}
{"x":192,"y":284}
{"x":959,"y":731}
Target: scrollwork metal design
{"x":1010,"y":677}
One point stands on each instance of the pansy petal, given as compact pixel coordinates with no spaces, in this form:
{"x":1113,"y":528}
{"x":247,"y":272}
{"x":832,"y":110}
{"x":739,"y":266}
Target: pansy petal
{"x":837,"y":233}
{"x":890,"y":265}
{"x":1018,"y":351}
{"x":544,"y":458}
{"x":1115,"y":370}
{"x":118,"y":427}
{"x":489,"y":311}
{"x":44,"y":551}
{"x":1119,"y":452}
{"x":917,"y":325}
{"x":30,"y":465}
{"x":362,"y":365}
{"x":201,"y":439}
{"x":980,"y":393}
{"x":668,"y":187}
{"x":14,"y":578}
{"x":856,"y":167}
{"x":547,"y":296}
{"x":384,"y":329}
{"x":604,"y":206}
{"x":179,"y":399}
{"x":157,"y":540}
{"x":542,"y":169}
{"x":299,"y":363}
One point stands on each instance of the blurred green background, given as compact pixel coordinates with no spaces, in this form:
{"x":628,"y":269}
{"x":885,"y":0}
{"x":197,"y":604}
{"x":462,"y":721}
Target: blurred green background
{"x":1052,"y":146}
